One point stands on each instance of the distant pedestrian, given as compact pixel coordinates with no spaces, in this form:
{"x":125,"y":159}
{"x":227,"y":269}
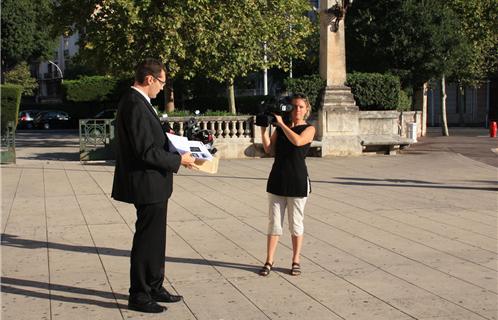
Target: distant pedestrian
{"x":288,"y":184}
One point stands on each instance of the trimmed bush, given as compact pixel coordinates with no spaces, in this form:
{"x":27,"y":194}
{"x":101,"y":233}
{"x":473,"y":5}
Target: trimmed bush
{"x":375,"y":91}
{"x":404,"y":102}
{"x":21,"y":76}
{"x":89,"y":89}
{"x":311,"y":86}
{"x":11,"y":99}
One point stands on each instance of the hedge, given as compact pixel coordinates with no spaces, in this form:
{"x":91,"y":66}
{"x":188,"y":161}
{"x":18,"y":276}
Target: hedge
{"x":89,"y":89}
{"x":375,"y":91}
{"x":310,"y":85}
{"x":11,"y":99}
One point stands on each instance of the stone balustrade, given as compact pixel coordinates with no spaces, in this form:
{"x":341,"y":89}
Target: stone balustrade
{"x":235,"y":136}
{"x":238,"y":136}
{"x":222,"y":127}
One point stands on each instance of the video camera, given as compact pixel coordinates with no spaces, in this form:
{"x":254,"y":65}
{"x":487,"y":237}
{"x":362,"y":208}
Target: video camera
{"x":282,"y":107}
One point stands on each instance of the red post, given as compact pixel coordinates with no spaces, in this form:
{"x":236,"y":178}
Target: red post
{"x":492,"y":129}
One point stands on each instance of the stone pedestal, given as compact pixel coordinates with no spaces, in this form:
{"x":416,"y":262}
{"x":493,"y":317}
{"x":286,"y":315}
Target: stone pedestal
{"x":339,"y":123}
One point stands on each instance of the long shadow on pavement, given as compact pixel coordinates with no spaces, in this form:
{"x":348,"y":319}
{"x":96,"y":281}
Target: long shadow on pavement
{"x":15,"y":241}
{"x":397,"y":183}
{"x":52,"y":296}
{"x":53,"y":156}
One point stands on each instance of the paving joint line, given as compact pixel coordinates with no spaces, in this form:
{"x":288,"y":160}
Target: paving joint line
{"x":95,"y":246}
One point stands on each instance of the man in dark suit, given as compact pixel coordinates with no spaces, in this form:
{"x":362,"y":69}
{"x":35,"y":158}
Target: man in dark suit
{"x":144,"y":176}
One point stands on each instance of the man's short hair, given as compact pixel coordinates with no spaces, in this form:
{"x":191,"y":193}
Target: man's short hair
{"x":148,"y":67}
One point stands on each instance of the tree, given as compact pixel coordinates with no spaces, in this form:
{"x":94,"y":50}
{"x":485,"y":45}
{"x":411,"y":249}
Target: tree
{"x":21,"y":76}
{"x":25,"y":32}
{"x":114,"y":35}
{"x":478,"y":25}
{"x":219,"y":39}
{"x":244,"y":32}
{"x":417,"y":40}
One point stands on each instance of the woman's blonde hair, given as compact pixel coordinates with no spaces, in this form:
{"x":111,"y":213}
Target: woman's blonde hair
{"x":306,"y":101}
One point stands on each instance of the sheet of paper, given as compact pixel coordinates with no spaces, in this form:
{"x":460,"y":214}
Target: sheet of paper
{"x":178,"y":143}
{"x":182,"y":145}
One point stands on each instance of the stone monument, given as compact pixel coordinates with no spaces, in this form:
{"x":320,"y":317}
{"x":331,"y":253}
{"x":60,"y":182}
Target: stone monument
{"x":338,"y":124}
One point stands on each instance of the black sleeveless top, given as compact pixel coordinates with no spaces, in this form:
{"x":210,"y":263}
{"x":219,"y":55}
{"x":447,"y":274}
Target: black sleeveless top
{"x":289,"y":175}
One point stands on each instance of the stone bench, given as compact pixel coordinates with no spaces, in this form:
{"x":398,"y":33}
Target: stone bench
{"x":386,"y":144}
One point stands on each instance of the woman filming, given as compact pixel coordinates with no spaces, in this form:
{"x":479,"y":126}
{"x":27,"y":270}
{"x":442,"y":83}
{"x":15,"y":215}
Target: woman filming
{"x":288,"y":184}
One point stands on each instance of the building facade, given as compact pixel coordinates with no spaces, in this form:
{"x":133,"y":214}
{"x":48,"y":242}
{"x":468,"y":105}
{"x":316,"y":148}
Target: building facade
{"x":476,"y":107}
{"x":50,"y":74}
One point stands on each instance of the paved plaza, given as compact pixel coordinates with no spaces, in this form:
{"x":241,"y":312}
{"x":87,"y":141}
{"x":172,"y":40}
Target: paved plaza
{"x":412,"y":236}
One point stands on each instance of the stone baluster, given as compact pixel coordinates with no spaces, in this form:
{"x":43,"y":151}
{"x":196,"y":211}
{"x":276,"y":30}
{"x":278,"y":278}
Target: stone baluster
{"x":211,"y":128}
{"x":180,"y":130}
{"x":247,"y":131}
{"x":226,"y":132}
{"x":219,"y":131}
{"x":240,"y":132}
{"x":233,"y":129}
{"x":204,"y":125}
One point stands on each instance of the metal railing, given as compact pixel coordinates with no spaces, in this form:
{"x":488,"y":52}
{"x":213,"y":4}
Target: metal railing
{"x":97,"y":135}
{"x":96,"y":138}
{"x":8,"y":143}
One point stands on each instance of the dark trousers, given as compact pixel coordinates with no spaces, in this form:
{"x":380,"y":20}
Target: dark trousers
{"x":147,"y":253}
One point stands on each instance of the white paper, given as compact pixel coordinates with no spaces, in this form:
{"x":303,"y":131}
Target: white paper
{"x":183,"y":145}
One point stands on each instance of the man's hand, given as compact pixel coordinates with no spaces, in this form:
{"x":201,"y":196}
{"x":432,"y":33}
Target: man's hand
{"x":187,"y":160}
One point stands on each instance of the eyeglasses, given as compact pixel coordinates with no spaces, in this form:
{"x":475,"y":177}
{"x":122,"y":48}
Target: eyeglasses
{"x":160,"y":81}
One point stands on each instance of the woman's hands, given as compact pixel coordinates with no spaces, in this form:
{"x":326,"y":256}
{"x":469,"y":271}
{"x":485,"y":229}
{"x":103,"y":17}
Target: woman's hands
{"x":279,"y":121}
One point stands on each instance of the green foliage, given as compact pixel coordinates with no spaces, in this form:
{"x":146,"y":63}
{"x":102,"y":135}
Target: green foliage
{"x":219,"y":39}
{"x":87,"y":89}
{"x":243,"y":29}
{"x":416,"y":40}
{"x":245,"y":104}
{"x":478,"y":24}
{"x":10,"y":101}
{"x":218,"y":113}
{"x":374,"y":91}
{"x":404,"y":101}
{"x":25,"y":31}
{"x":21,"y":76}
{"x":311,"y":86}
{"x":178,"y":113}
{"x":132,"y":39}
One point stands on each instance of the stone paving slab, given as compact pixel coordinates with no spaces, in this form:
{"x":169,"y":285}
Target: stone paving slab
{"x":407,"y":237}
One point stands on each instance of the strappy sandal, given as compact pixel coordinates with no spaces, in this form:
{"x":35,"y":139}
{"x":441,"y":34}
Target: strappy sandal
{"x":266,"y":269}
{"x":296,"y":269}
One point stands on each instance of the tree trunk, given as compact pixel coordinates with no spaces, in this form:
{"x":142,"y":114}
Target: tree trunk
{"x":444,"y":120}
{"x":169,"y":96}
{"x":461,"y":104}
{"x":423,"y":124}
{"x":231,"y":97}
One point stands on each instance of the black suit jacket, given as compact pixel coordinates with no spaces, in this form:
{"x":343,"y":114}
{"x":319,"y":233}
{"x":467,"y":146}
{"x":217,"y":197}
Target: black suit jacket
{"x":144,"y":164}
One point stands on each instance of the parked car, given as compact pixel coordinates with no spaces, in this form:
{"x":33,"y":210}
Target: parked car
{"x":106,"y":114}
{"x":26,"y":117}
{"x":52,"y":119}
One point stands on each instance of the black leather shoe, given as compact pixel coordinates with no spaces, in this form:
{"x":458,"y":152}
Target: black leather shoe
{"x":148,"y":307}
{"x":165,"y":296}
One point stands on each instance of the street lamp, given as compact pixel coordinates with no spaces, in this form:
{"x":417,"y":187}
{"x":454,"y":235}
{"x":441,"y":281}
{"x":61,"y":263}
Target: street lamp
{"x":59,"y":69}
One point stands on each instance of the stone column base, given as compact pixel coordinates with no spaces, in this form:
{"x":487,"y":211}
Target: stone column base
{"x":341,"y":146}
{"x":338,"y":119}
